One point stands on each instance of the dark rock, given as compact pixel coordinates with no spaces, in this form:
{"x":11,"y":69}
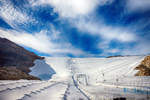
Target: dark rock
{"x":14,"y":55}
{"x":115,"y":56}
{"x":12,"y":73}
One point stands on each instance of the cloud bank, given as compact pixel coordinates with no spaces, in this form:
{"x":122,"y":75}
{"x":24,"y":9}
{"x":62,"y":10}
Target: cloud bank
{"x":78,"y":28}
{"x":72,"y":8}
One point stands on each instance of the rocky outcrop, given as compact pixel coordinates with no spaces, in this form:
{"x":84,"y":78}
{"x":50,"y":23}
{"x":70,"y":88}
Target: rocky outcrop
{"x":144,"y":67}
{"x":15,"y":56}
{"x":12,"y":73}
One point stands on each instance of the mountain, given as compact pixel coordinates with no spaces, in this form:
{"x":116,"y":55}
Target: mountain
{"x":14,"y":58}
{"x":82,"y":79}
{"x":12,"y":73}
{"x":144,"y":67}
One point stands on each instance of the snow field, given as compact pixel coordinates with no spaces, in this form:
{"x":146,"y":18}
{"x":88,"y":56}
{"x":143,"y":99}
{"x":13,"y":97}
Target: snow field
{"x":83,"y":79}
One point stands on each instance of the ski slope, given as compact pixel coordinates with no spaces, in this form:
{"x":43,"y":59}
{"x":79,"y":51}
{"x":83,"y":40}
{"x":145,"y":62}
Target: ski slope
{"x":82,"y":79}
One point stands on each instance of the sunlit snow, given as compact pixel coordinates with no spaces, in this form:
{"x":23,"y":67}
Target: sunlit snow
{"x":83,"y":79}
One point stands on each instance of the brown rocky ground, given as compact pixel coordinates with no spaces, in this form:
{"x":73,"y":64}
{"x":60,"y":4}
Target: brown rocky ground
{"x":12,"y":73}
{"x":14,"y":55}
{"x":144,"y":67}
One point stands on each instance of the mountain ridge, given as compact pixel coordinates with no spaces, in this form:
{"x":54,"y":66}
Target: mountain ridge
{"x":16,"y":58}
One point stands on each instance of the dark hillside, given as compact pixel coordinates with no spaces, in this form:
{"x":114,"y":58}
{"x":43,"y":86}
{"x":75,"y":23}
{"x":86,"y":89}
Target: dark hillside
{"x":13,"y":55}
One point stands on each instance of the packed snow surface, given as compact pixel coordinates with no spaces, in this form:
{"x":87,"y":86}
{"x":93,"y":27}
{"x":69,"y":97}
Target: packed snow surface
{"x":82,"y":79}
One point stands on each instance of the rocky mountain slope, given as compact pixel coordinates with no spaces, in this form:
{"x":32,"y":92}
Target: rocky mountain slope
{"x":15,"y":59}
{"x":12,"y":73}
{"x":144,"y":67}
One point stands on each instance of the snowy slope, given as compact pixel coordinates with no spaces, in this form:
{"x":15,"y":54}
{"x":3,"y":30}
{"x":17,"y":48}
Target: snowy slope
{"x":82,"y":79}
{"x":60,"y":65}
{"x":107,"y":69}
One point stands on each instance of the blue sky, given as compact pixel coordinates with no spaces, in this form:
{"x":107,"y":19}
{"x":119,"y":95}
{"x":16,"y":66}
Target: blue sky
{"x":77,"y":28}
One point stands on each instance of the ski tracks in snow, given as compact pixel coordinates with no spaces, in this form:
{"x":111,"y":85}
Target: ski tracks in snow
{"x":28,"y":91}
{"x":52,"y":92}
{"x":73,"y":92}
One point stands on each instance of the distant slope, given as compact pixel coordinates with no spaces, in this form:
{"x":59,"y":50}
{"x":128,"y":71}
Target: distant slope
{"x":13,"y":55}
{"x":96,"y":69}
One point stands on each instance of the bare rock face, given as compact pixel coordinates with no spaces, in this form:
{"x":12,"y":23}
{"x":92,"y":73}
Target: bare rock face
{"x":146,"y":62}
{"x":12,"y":73}
{"x":14,"y":55}
{"x":144,"y":67}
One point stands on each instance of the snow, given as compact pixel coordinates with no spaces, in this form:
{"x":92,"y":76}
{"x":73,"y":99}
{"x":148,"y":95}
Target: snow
{"x":49,"y":93}
{"x":81,"y":79}
{"x":107,"y":69}
{"x":42,"y":70}
{"x":60,"y":66}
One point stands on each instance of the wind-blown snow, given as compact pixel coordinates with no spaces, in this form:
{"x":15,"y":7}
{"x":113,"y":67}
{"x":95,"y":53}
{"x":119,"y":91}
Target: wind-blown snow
{"x":82,"y":79}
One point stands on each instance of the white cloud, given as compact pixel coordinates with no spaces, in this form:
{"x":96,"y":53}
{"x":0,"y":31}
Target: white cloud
{"x":40,"y":42}
{"x":12,"y":15}
{"x":72,"y":8}
{"x":106,"y":32}
{"x":104,"y":45}
{"x":107,"y":52}
{"x":79,"y":9}
{"x":141,"y":48}
{"x":113,"y":51}
{"x":54,"y":33}
{"x":69,"y":9}
{"x":136,"y":5}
